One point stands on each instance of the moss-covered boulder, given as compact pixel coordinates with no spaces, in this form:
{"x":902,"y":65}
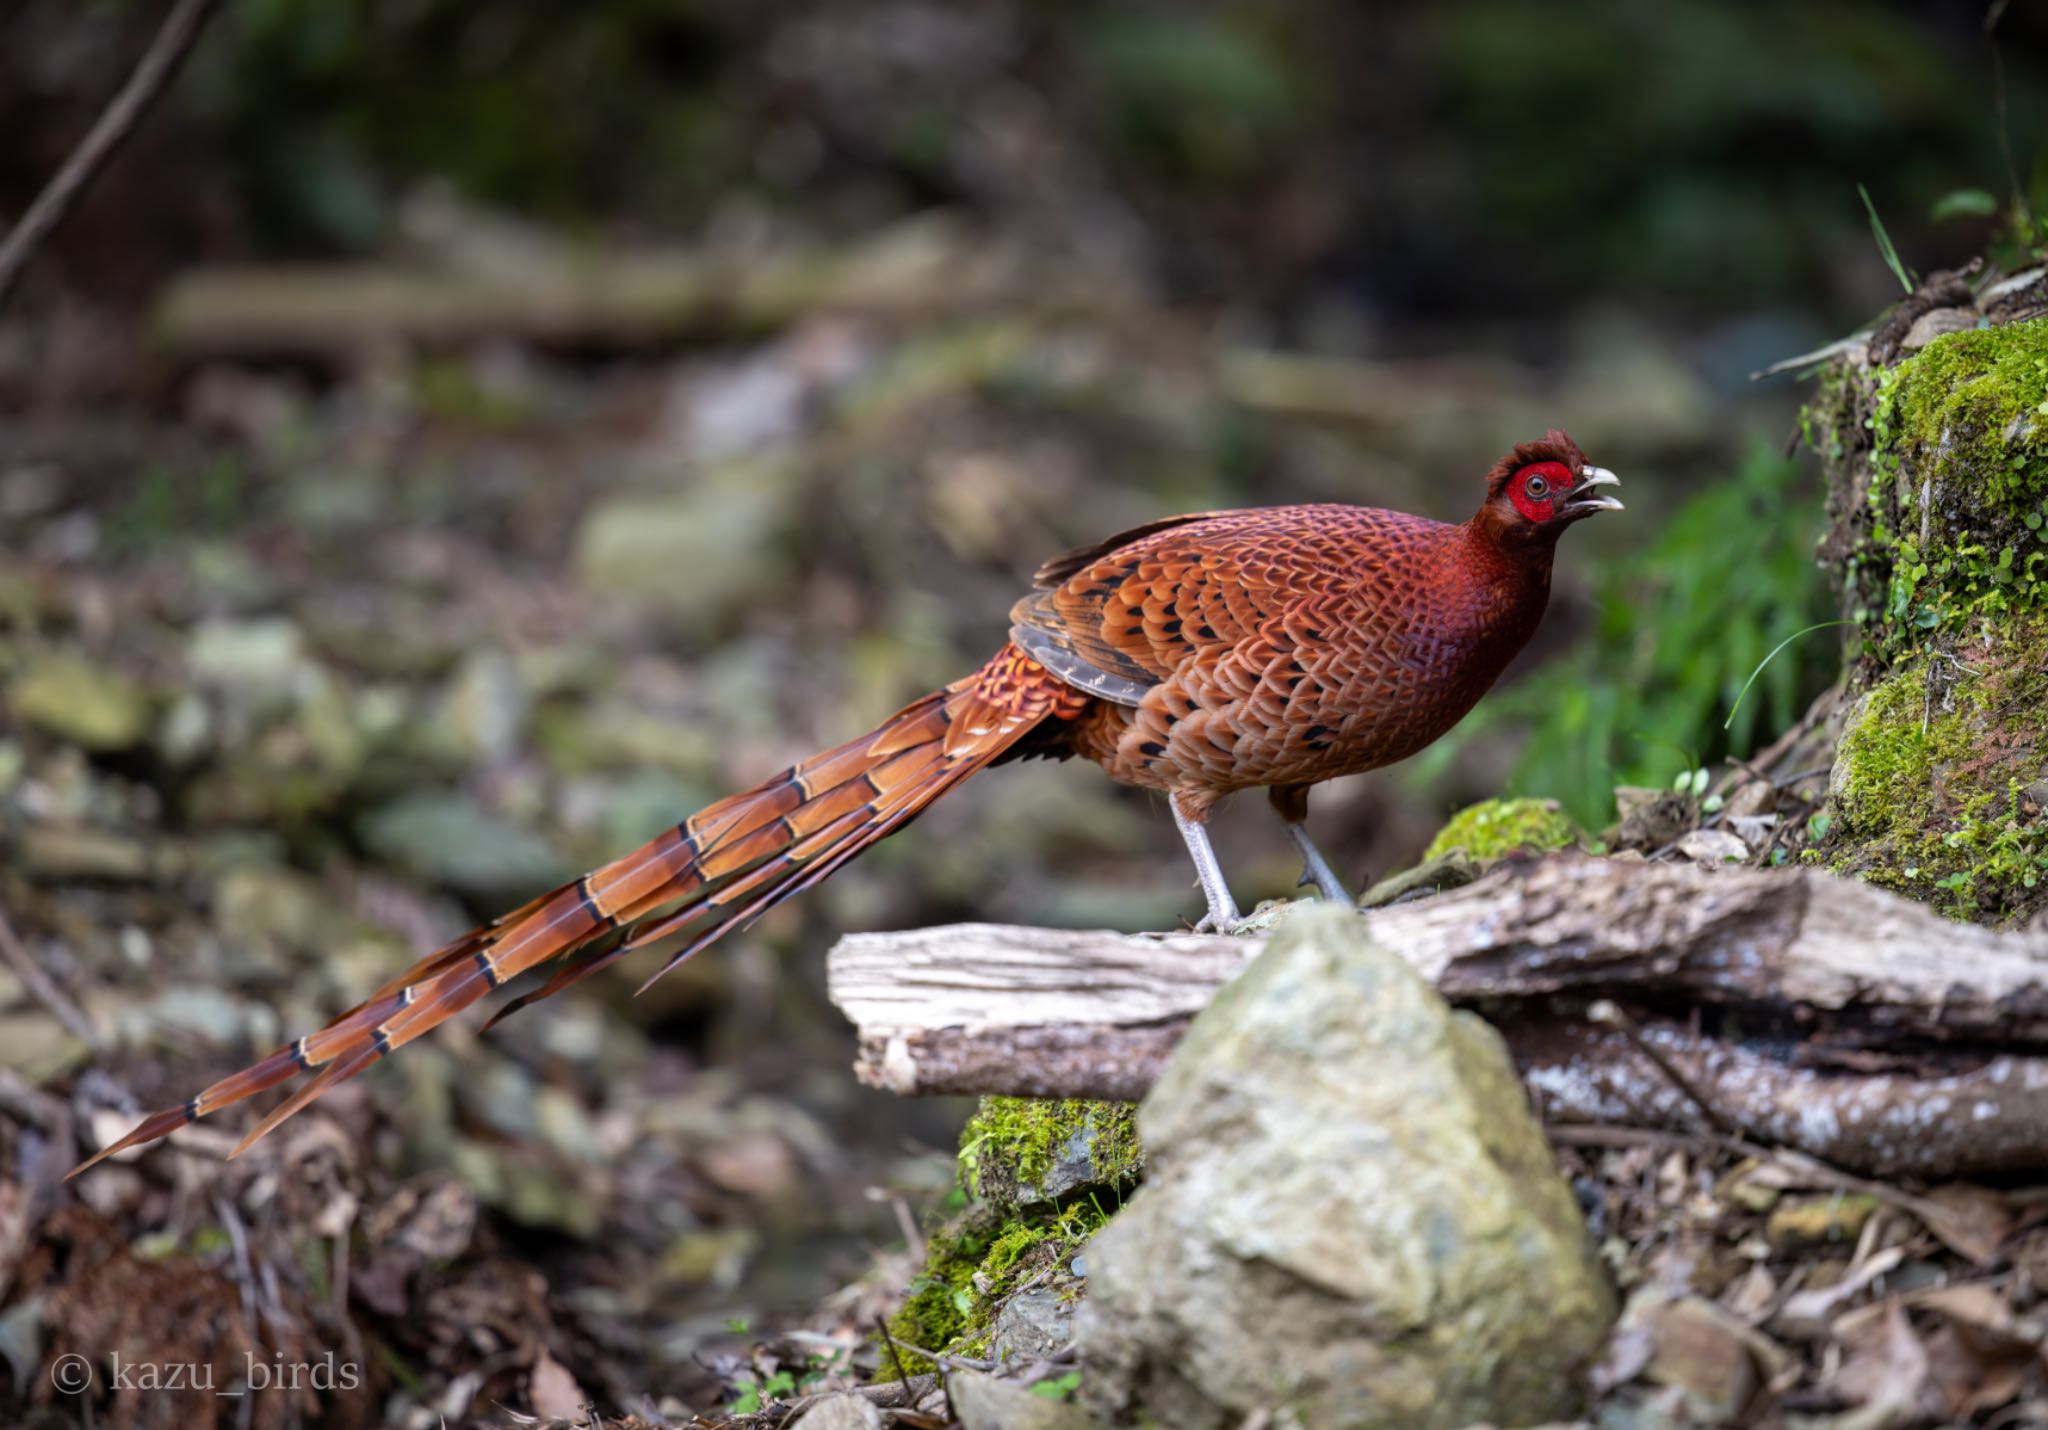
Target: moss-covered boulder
{"x":1038,"y":1177}
{"x":1494,"y":828}
{"x":1938,"y":505}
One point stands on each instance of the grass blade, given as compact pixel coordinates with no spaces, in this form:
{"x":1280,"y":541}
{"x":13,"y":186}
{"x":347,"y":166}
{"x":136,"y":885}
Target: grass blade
{"x":1884,"y":246}
{"x":1819,"y":626}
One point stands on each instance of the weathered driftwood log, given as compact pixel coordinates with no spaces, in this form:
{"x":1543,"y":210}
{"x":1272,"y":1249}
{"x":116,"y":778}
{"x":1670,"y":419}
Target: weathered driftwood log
{"x":337,"y":310}
{"x":1819,"y":1013}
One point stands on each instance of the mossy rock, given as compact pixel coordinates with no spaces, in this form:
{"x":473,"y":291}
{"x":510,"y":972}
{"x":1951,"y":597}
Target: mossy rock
{"x":976,"y":1263}
{"x":1935,"y":787}
{"x":1938,"y":506}
{"x":1020,"y":1151}
{"x":1939,"y":493}
{"x":1039,"y":1177}
{"x":1497,"y":827}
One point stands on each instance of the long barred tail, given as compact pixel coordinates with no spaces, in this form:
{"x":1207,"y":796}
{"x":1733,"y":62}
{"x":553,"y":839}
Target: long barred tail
{"x":715,"y":873}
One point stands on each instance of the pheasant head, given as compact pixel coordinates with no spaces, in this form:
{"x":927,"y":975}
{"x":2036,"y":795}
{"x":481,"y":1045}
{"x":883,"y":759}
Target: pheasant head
{"x":1539,"y":489}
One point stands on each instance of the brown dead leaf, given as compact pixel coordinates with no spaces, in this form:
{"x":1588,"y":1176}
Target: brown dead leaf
{"x":1972,"y":1303}
{"x":1984,"y":1354}
{"x":1971,"y":1221}
{"x":1885,"y":1367}
{"x":1973,"y":1378}
{"x":553,"y":1391}
{"x":1703,"y":1352}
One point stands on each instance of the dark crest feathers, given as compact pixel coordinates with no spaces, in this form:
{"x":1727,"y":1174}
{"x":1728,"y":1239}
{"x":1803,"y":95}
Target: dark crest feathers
{"x":1552,"y":446}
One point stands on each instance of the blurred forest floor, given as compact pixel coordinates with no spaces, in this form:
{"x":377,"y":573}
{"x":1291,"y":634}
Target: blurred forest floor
{"x":314,"y":653}
{"x":308,"y":674}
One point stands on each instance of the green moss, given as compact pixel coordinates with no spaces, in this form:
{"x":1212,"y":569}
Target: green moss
{"x":1024,"y":1149}
{"x":1026,"y":1219}
{"x":942,"y":1298}
{"x":1958,"y":494}
{"x":1830,"y":412}
{"x":1494,"y":827}
{"x":974,"y":1265}
{"x":1931,"y":773}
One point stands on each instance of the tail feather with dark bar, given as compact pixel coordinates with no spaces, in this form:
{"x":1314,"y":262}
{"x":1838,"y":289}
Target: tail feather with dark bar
{"x":714,"y":874}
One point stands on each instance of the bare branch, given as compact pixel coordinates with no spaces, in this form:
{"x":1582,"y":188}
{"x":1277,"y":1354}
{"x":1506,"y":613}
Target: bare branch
{"x":166,"y":53}
{"x":45,"y":987}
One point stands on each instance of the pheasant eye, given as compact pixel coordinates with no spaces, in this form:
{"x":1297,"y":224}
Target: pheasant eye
{"x":1537,"y":488}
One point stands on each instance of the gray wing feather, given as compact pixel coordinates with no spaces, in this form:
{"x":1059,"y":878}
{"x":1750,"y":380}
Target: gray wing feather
{"x":1045,"y":648}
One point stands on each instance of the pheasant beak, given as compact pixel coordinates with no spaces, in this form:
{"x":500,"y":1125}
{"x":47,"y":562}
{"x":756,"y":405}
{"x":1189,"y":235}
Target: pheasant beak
{"x":1584,"y":502}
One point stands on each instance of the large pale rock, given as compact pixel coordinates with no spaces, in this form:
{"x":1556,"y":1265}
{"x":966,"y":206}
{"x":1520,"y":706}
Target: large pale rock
{"x":1351,"y":1218}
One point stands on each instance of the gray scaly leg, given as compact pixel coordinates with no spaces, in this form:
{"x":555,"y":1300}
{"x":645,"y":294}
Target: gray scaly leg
{"x":1315,"y":869}
{"x":1222,"y":916}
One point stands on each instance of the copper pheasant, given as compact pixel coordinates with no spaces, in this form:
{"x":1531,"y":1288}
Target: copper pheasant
{"x":1199,"y":656}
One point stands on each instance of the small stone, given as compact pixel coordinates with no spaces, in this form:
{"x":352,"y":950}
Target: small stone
{"x":984,"y":1403}
{"x":1712,"y":847}
{"x":1751,"y":799}
{"x":840,"y":1412}
{"x":1799,"y":1226}
{"x":80,"y":701}
{"x":565,"y":1124}
{"x":1703,"y":1353}
{"x":453,"y":841}
{"x":270,"y":911}
{"x":261,"y":663}
{"x":702,"y":552}
{"x":755,"y":1164}
{"x":1036,"y":1324}
{"x":37,"y":1048}
{"x":486,"y":705}
{"x":2033,"y":799}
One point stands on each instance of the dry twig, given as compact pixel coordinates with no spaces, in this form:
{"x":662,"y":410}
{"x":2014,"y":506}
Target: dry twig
{"x":117,"y":121}
{"x":40,"y":984}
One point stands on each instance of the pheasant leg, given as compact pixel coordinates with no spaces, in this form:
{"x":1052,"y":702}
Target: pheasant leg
{"x":1315,"y":869}
{"x":1223,"y":915}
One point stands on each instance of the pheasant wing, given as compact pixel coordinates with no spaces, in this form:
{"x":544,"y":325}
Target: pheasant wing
{"x":1117,"y":618}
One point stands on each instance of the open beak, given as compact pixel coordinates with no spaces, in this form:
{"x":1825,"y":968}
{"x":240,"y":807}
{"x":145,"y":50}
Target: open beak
{"x":1584,"y":501}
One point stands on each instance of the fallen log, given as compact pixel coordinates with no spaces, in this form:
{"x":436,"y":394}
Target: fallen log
{"x":337,"y":311}
{"x":1793,"y":1007}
